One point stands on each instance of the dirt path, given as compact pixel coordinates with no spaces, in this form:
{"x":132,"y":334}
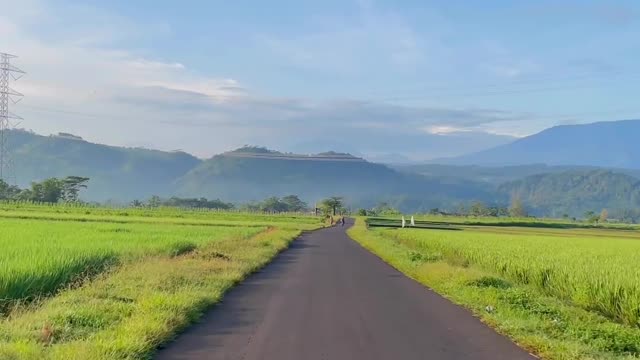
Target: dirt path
{"x":328,"y":298}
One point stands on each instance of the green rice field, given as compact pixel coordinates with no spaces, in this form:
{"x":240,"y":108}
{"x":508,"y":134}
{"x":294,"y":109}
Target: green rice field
{"x":566,"y":291}
{"x":82,"y":282}
{"x":40,"y":256}
{"x":594,"y":269}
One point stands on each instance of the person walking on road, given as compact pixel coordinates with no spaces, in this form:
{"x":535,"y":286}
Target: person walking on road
{"x":342,"y":221}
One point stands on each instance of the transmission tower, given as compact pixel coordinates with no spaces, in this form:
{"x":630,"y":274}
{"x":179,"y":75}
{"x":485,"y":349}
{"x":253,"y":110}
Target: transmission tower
{"x":8,"y":72}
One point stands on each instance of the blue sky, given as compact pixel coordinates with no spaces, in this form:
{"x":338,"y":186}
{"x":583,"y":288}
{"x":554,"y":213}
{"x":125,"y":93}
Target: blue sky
{"x":422,"y":79}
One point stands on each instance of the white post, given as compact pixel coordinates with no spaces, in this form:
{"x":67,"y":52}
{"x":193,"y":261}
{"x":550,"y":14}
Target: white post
{"x":413,"y":222}
{"x":403,"y":222}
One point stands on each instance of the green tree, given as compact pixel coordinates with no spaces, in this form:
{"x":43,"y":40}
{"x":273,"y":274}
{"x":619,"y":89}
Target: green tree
{"x":154,"y":201}
{"x":137,"y":203}
{"x":50,"y":190}
{"x":590,"y":216}
{"x":331,"y":205}
{"x":293,"y":203}
{"x":478,"y":209}
{"x":71,"y":186}
{"x":384,"y":209}
{"x":362,"y":212}
{"x":273,"y":204}
{"x":53,"y":190}
{"x":8,"y":191}
{"x":202,"y":203}
{"x":503,"y":211}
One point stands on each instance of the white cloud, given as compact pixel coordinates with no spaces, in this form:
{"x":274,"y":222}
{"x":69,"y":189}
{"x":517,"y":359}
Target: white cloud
{"x":104,"y":93}
{"x":444,"y":130}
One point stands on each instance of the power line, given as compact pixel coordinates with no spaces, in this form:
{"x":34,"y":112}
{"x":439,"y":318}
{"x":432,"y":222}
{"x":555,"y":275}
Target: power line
{"x":7,"y":96}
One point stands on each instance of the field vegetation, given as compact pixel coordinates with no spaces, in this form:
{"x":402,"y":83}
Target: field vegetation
{"x":81,"y":282}
{"x":564,"y":291}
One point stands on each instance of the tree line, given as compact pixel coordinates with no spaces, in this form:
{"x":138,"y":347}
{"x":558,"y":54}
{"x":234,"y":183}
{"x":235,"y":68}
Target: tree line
{"x":52,"y":190}
{"x":475,"y":208}
{"x":67,"y":189}
{"x":199,"y":203}
{"x":291,"y":203}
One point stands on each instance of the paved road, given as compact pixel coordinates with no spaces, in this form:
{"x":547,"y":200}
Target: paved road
{"x":328,"y":298}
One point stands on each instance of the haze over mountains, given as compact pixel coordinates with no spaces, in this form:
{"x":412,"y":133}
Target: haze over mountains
{"x":607,"y":144}
{"x":252,"y":174}
{"x":574,"y":154}
{"x":412,"y":146}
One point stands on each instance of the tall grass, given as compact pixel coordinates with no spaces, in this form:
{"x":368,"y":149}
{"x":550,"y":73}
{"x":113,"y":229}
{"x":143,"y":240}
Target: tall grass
{"x":596,"y":269}
{"x":129,"y":312}
{"x":39,"y":257}
{"x":45,"y":247}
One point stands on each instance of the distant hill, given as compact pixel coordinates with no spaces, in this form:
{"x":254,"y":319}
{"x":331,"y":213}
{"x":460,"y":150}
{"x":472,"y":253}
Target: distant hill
{"x":116,"y":173}
{"x":254,"y":173}
{"x":604,"y":144}
{"x":388,"y":147}
{"x":249,"y":173}
{"x":243,"y":175}
{"x":575,"y":192}
{"x":497,"y":175}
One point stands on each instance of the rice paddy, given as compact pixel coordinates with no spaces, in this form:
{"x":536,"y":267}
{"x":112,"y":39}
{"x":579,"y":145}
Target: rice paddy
{"x":553,"y":287}
{"x":592,"y":269}
{"x":72,"y":279}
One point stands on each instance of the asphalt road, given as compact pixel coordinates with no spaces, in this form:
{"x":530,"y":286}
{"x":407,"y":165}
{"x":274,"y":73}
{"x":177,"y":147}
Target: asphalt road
{"x":328,"y":298}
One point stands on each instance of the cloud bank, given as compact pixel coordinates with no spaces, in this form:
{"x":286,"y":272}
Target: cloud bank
{"x":82,"y":83}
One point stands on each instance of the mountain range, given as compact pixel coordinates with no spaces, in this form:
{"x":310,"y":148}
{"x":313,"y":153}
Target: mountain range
{"x":565,"y":169}
{"x":116,"y":173}
{"x":250,"y":174}
{"x":606,"y":144}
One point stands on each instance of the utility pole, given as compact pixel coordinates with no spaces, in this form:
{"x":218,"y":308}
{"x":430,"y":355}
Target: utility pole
{"x":7,"y":96}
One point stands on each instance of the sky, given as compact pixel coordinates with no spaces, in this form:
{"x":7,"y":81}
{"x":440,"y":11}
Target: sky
{"x":389,"y":79}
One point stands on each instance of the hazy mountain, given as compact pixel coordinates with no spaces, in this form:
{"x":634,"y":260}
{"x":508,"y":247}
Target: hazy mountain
{"x":575,"y":192}
{"x":116,"y":173}
{"x":252,"y":174}
{"x":607,"y":144}
{"x":410,"y":145}
{"x":497,"y":175}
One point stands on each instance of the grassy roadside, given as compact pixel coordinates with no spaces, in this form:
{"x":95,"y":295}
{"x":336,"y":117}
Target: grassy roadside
{"x":545,"y":325}
{"x":128,"y":313}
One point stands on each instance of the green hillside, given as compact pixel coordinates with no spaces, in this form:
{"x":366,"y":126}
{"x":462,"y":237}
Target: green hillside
{"x":247,"y":176}
{"x":497,"y":175}
{"x":117,"y":173}
{"x":577,"y":192}
{"x":254,"y":173}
